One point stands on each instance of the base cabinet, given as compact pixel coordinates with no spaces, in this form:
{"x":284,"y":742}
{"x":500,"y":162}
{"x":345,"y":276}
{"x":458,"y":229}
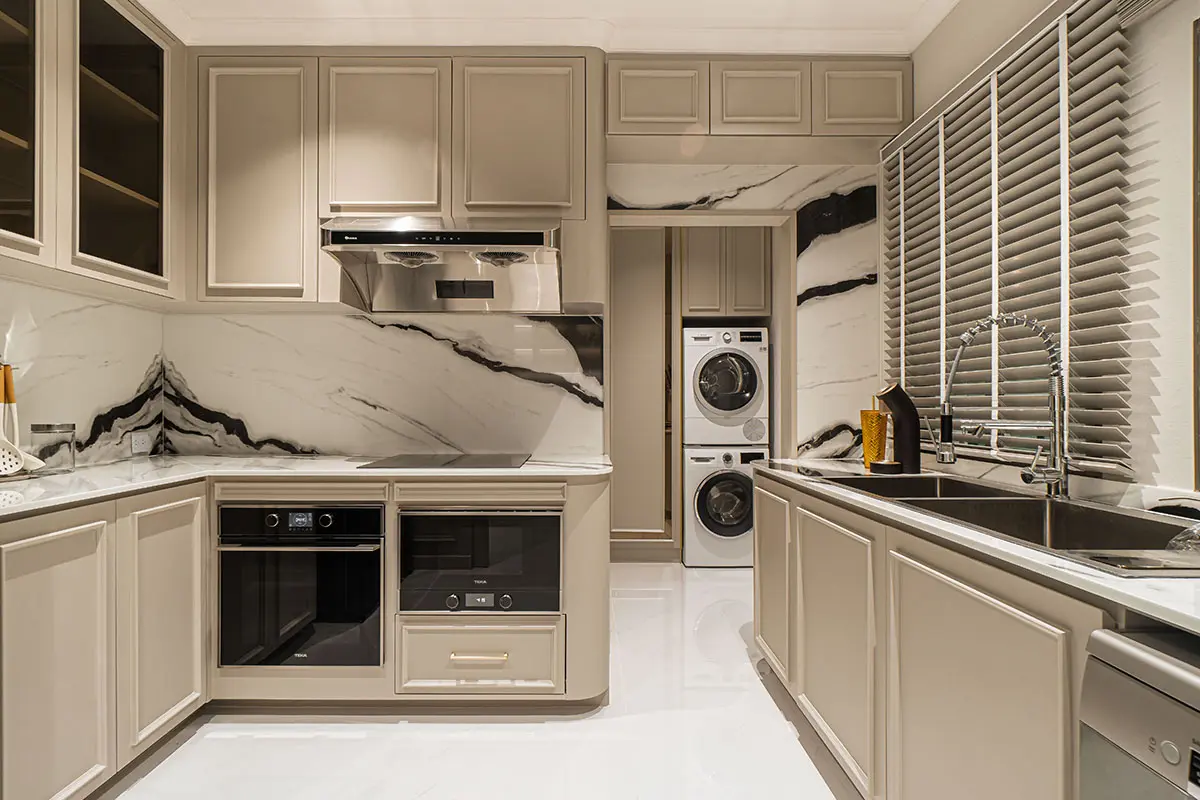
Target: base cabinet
{"x":978,"y":655}
{"x":160,"y":615}
{"x":57,"y":665}
{"x":480,"y":655}
{"x":101,"y":639}
{"x":774,"y":578}
{"x":839,"y":633}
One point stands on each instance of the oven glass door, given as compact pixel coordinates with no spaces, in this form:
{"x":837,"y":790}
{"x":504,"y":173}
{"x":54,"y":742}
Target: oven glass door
{"x":301,"y":606}
{"x":473,"y":561}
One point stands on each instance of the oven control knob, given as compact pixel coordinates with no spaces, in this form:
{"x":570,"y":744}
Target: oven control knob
{"x":325,"y":520}
{"x":505,"y":601}
{"x":452,"y":602}
{"x":272,"y":520}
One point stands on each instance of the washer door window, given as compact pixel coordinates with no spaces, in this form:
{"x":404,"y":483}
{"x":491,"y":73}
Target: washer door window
{"x":726,"y":382}
{"x":724,"y":503}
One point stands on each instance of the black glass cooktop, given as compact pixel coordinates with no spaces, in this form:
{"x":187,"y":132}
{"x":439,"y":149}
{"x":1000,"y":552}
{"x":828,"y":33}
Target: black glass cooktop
{"x":450,"y":461}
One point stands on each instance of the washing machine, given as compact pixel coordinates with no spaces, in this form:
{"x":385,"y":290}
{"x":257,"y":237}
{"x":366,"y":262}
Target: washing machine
{"x":718,"y":485}
{"x":728,"y":397}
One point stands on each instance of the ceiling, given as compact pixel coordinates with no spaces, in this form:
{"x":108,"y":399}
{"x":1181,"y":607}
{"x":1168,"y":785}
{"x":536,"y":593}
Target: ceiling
{"x":725,"y":26}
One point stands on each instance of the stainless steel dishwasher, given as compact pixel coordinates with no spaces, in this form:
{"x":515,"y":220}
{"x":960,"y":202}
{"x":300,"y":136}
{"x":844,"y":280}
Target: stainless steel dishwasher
{"x":1140,"y":717}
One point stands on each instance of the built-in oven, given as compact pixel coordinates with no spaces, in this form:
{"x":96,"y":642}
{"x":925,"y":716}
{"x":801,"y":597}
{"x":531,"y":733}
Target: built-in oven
{"x":477,"y":560}
{"x":300,"y":586}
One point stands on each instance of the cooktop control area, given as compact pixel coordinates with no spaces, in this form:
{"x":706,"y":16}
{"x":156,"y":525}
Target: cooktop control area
{"x":450,"y":461}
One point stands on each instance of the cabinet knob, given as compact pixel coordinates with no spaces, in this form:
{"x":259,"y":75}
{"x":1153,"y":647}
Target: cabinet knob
{"x":325,"y":520}
{"x":272,"y":520}
{"x":452,"y":602}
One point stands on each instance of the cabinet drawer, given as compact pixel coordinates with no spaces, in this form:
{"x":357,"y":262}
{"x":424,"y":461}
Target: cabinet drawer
{"x":485,"y":655}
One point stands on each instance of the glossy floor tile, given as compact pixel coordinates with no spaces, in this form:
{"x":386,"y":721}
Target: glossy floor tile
{"x":688,"y":718}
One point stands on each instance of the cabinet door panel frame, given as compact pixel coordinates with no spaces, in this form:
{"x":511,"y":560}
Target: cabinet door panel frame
{"x":623,"y":73}
{"x":863,"y":777}
{"x":441,"y":70}
{"x":303,"y":287}
{"x":172,"y":69}
{"x":724,"y":122}
{"x":782,"y":669}
{"x":899,"y":561}
{"x":105,"y":764}
{"x":136,"y":738}
{"x":571,"y":205}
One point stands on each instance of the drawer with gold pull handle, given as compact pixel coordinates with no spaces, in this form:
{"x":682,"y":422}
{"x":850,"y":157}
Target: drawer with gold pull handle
{"x":478,"y":658}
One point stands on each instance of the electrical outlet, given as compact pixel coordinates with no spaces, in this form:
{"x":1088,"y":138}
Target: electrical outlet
{"x":142,"y":443}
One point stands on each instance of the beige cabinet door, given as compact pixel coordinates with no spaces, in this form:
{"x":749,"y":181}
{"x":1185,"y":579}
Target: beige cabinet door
{"x":519,"y":134}
{"x":637,"y":388}
{"x":747,"y":272}
{"x":258,"y":178}
{"x":57,"y":656}
{"x":983,"y":670}
{"x":658,"y":96}
{"x":838,"y":674}
{"x":861,"y":98}
{"x":761,"y":98}
{"x":773,"y":577}
{"x":702,"y":281}
{"x":385,"y":135}
{"x":161,"y":616}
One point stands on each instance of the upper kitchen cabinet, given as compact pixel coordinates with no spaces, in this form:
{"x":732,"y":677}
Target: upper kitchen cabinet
{"x":726,"y":272}
{"x":26,"y":130}
{"x":761,"y":98}
{"x":258,"y":178}
{"x":116,"y":209}
{"x":385,"y":136}
{"x":658,"y":96}
{"x":861,"y":98}
{"x":519,"y":137}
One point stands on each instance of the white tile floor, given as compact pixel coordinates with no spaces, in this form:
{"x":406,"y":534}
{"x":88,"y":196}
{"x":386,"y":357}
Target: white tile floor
{"x":688,"y":718}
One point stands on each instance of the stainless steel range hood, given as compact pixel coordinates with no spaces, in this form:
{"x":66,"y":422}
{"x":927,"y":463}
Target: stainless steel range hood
{"x":421,"y":264}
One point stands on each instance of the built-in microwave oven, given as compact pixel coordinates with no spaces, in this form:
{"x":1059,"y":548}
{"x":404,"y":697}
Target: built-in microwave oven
{"x":496,"y":561}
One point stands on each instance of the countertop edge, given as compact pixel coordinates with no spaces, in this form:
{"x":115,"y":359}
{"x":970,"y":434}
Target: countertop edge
{"x":1134,"y":594}
{"x":182,"y":473}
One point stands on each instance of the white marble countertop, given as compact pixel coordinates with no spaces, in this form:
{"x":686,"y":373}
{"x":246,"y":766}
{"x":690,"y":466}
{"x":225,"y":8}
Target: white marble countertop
{"x":94,"y":484}
{"x":1175,"y":601}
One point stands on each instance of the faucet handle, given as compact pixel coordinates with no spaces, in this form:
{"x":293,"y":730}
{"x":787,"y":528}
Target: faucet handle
{"x":929,"y":429}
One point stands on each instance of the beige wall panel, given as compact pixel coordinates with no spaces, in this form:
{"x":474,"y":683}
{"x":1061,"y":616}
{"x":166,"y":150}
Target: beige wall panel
{"x":258,"y":177}
{"x":480,"y":654}
{"x":963,"y":40}
{"x":861,"y":98}
{"x":748,"y":272}
{"x":703,"y":276}
{"x":837,"y":637}
{"x":637,"y":340}
{"x":161,"y":614}
{"x":385,"y":135}
{"x":57,"y":658}
{"x":970,"y":668}
{"x":773,"y":574}
{"x":658,"y":97}
{"x":519,"y":136}
{"x":761,"y":98}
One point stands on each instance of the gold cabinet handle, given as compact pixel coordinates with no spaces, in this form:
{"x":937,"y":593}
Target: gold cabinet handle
{"x":478,"y":658}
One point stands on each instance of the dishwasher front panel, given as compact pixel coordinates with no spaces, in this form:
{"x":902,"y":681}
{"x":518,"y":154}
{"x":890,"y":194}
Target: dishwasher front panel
{"x":1109,"y":773}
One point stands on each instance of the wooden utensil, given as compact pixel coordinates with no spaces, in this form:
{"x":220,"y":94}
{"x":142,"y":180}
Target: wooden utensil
{"x":11,"y":458}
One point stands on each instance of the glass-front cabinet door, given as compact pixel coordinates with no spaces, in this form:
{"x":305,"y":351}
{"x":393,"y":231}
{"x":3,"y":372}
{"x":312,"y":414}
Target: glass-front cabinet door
{"x":22,"y":123}
{"x":120,"y":191}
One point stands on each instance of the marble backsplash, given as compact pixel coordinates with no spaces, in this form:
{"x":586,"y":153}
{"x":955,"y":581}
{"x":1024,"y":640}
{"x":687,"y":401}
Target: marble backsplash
{"x":303,"y":384}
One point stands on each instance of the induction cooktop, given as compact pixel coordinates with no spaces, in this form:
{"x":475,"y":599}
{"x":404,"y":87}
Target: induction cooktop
{"x":450,"y":461}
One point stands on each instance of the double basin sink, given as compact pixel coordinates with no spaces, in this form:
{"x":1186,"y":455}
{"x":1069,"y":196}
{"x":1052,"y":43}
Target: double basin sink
{"x":1119,"y":541}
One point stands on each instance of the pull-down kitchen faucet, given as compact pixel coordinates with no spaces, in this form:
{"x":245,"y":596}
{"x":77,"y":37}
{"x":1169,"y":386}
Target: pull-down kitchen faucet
{"x":1054,"y":474}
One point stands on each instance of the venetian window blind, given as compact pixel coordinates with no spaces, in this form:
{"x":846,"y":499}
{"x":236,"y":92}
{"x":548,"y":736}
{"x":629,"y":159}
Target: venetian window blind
{"x":1013,"y":200}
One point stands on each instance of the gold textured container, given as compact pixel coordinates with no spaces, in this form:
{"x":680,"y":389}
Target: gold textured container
{"x":874,"y":428}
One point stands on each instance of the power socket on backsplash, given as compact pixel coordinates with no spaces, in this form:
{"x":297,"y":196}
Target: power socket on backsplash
{"x":141,"y":443}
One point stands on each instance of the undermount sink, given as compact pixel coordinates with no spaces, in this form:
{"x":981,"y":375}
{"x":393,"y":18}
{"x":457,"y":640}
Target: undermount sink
{"x":923,"y":486}
{"x":1120,"y":541}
